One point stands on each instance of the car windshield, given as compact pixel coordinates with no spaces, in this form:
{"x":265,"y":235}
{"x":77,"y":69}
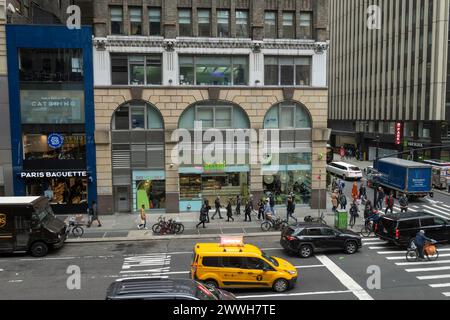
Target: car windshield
{"x":271,"y":259}
{"x":43,"y":214}
{"x":354,"y":168}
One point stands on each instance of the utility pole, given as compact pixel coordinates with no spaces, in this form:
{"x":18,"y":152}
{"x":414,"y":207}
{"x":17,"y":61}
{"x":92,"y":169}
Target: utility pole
{"x":375,"y":190}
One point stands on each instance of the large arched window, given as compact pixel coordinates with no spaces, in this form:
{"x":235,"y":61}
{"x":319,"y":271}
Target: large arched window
{"x":219,"y":115}
{"x":287,"y":115}
{"x":137,"y":115}
{"x":289,"y":171}
{"x":138,"y":158}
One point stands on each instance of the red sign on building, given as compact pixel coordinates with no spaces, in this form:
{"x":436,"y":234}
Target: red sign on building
{"x":398,"y":133}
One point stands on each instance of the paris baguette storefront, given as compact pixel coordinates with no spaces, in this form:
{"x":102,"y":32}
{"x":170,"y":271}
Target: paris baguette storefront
{"x":135,"y":147}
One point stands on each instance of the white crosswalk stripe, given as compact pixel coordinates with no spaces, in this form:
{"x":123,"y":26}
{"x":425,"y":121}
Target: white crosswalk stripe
{"x":440,"y":285}
{"x":437,"y":212}
{"x":151,"y":265}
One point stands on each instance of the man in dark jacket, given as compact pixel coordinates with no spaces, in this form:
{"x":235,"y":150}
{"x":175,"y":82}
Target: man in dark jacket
{"x":343,"y":201}
{"x":403,"y":202}
{"x":229,"y":211}
{"x":362,"y":191}
{"x":93,"y":215}
{"x":248,"y":211}
{"x":218,"y":206}
{"x":420,"y":240}
{"x":272,"y":202}
{"x":204,"y":214}
{"x":238,"y":205}
{"x":390,"y":201}
{"x":381,"y":196}
{"x":290,"y":209}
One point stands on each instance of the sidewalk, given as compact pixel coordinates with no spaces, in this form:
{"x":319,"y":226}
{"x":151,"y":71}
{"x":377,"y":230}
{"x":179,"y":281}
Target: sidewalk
{"x":123,"y":227}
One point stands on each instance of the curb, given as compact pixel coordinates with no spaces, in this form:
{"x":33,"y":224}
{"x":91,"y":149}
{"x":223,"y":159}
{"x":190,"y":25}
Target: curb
{"x":202,"y":236}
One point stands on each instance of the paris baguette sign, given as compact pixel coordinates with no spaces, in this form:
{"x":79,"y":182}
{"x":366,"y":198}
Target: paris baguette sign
{"x":53,"y":174}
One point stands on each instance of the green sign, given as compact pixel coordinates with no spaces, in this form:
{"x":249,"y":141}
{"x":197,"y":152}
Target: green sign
{"x":214,"y":167}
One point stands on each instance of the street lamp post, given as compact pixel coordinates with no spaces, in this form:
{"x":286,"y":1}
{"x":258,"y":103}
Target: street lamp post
{"x":375,"y":191}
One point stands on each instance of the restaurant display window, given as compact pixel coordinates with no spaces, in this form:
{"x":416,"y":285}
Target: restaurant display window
{"x":59,"y":190}
{"x":190,"y":186}
{"x":151,"y":194}
{"x":37,"y":147}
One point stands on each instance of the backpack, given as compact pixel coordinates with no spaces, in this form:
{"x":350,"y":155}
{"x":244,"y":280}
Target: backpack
{"x":343,"y":200}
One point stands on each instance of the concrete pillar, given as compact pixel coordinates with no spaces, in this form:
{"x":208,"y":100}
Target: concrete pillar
{"x":256,"y":69}
{"x":101,"y":18}
{"x":170,"y":70}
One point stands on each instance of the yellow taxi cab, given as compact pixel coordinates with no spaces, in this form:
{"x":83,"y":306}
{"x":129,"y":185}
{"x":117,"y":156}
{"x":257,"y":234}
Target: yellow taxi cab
{"x":233,"y":264}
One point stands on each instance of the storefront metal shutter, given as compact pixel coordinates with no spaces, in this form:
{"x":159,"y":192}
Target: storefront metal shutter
{"x":155,"y":157}
{"x":155,"y":137}
{"x":138,"y":157}
{"x":121,"y":159}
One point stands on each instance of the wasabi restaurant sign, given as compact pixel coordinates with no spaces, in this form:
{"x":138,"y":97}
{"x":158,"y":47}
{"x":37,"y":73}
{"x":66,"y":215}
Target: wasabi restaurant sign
{"x":52,"y":106}
{"x":214,"y":167}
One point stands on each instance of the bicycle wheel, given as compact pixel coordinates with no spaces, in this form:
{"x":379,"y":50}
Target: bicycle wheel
{"x":157,"y":228}
{"x":265,"y":226}
{"x":411,"y":255}
{"x":366,"y":231}
{"x":78,"y":232}
{"x":179,"y":228}
{"x":433,"y":257}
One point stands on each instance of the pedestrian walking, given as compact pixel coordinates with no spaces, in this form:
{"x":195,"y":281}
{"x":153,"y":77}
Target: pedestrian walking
{"x":390,"y":201}
{"x":342,"y":153}
{"x":248,"y":211}
{"x":334,"y":200}
{"x":403,"y":202}
{"x":261,"y":215}
{"x":217,"y":206}
{"x":368,"y":209}
{"x":238,"y":205}
{"x":343,"y":201}
{"x":229,"y":211}
{"x":272,"y":202}
{"x":355,"y":191}
{"x":362,"y":192}
{"x":93,"y":215}
{"x":334,"y":184}
{"x":354,"y":213}
{"x":267,"y":209}
{"x":290,"y":209}
{"x":381,"y":196}
{"x":204,"y":214}
{"x":143,"y":219}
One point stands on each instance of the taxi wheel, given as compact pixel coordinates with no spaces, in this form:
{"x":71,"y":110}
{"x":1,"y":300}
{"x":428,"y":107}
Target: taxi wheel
{"x":211,"y":284}
{"x":306,"y":251}
{"x":280,"y":285}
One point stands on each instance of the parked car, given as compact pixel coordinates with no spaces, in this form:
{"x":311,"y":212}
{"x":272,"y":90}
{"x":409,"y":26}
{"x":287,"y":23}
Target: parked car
{"x":163,"y":289}
{"x":344,"y":170}
{"x":305,"y":239}
{"x":401,"y":229}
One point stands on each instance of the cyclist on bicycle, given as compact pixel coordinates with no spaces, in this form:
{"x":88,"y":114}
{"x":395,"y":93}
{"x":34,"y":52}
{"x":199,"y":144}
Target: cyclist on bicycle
{"x":420,"y":240}
{"x":374,"y":217}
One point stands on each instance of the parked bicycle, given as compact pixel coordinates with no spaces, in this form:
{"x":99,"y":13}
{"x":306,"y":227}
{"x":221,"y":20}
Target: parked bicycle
{"x":272,"y":222}
{"x":320,"y":219}
{"x":167,"y":227}
{"x":75,"y":228}
{"x":429,"y":251}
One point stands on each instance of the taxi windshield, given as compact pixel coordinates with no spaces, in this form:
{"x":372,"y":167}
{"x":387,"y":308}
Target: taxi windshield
{"x":271,"y":259}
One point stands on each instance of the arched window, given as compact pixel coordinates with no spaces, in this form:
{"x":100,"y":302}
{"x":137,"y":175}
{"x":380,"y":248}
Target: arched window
{"x":287,"y":115}
{"x":137,"y":115}
{"x":220,"y":115}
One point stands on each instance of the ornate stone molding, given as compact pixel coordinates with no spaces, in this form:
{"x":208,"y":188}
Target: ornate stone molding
{"x":213,"y":43}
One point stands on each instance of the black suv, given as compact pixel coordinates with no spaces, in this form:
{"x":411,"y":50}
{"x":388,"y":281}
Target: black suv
{"x":163,"y":289}
{"x":305,"y":239}
{"x":401,"y":229}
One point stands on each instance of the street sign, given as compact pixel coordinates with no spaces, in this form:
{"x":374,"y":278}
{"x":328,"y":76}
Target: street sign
{"x":398,"y":133}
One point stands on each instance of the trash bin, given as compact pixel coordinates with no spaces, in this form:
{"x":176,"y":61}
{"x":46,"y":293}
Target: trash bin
{"x":341,"y":220}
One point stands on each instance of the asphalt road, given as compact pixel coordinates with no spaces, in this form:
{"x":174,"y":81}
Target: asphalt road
{"x":324,"y":277}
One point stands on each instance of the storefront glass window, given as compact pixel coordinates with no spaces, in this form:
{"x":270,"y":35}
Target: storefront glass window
{"x":59,"y":191}
{"x":36,"y":147}
{"x":286,"y":182}
{"x":190,"y":186}
{"x":151,"y":194}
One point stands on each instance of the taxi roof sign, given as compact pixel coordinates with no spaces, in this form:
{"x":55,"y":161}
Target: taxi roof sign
{"x":227,"y":241}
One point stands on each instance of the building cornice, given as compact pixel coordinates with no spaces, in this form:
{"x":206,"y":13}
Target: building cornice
{"x":114,"y":42}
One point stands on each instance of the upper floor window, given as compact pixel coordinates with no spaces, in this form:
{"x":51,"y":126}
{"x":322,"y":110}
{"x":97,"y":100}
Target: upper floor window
{"x":287,"y":115}
{"x":305,"y":25}
{"x":136,"y":70}
{"x":213,"y":70}
{"x":137,"y":116}
{"x":51,"y":65}
{"x":287,"y":71}
{"x":242,"y":24}
{"x":154,"y":20}
{"x":135,"y":21}
{"x":184,"y":23}
{"x":204,"y":23}
{"x":288,"y":25}
{"x":223,"y":23}
{"x":270,"y":25}
{"x":116,"y":20}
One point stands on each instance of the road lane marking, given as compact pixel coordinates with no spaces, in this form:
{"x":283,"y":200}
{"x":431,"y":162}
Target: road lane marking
{"x":444,"y":205}
{"x":344,"y":278}
{"x":400,"y":209}
{"x":293,"y":294}
{"x":436,"y":277}
{"x":1,"y":270}
{"x":446,"y":215}
{"x":440,"y":285}
{"x":375,"y":243}
{"x":15,"y":281}
{"x":421,"y":263}
{"x":427,"y":269}
{"x":377,"y":248}
{"x":447,"y":294}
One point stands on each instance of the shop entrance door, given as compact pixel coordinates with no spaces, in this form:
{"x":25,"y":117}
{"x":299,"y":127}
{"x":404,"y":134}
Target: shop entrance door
{"x":123,"y":199}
